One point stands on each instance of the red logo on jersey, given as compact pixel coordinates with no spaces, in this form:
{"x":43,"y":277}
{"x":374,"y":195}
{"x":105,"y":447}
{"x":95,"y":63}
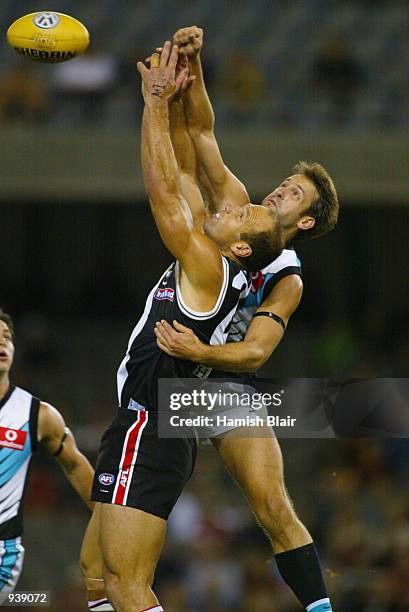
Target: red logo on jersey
{"x":12,"y":438}
{"x":256,"y":281}
{"x":165,"y":293}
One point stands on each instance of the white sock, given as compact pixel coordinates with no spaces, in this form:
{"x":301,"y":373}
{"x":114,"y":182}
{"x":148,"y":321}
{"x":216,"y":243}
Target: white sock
{"x":322,"y":605}
{"x":154,"y":609}
{"x":100,"y":605}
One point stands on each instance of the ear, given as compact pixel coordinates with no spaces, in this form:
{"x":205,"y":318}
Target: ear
{"x":306,"y":223}
{"x":241,"y":249}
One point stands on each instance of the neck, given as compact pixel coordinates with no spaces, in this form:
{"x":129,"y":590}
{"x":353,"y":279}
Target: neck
{"x":289,"y":233}
{"x":227,"y":253}
{"x":4,"y":384}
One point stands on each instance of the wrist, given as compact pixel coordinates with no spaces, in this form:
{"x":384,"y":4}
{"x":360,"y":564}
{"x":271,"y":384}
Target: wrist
{"x":156,"y":104}
{"x":203,"y":353}
{"x":195,"y":64}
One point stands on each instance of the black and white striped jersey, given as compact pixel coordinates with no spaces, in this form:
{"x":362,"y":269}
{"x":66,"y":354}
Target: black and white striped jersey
{"x":18,"y":440}
{"x":145,"y":363}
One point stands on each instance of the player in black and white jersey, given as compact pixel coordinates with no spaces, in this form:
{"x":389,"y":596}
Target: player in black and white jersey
{"x":26,"y":422}
{"x":307,"y":205}
{"x":139,"y":476}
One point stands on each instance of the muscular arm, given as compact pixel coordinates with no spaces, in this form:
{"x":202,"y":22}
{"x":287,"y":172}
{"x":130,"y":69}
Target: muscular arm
{"x":262,"y":337}
{"x":216,"y":178}
{"x":170,"y":209}
{"x":186,"y":161}
{"x":76,"y":467}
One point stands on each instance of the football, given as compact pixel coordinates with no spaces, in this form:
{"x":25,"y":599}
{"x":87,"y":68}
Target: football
{"x":48,"y":37}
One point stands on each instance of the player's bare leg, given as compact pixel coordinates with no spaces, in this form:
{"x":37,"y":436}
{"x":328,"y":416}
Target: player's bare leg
{"x":91,"y":566}
{"x":256,"y":464}
{"x":131,"y":542}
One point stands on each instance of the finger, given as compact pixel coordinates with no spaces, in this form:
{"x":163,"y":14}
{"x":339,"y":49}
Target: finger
{"x":181,"y":78}
{"x":160,"y":338}
{"x":169,"y":333}
{"x":183,"y":61}
{"x":187,"y":83}
{"x":180,"y":328}
{"x":142,"y":69}
{"x":165,"y":54}
{"x":166,"y":325}
{"x":164,"y":333}
{"x":155,"y":60}
{"x":173,"y":59}
{"x":163,"y":347}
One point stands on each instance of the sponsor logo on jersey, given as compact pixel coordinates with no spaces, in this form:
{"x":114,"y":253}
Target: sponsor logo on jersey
{"x":106,"y":479}
{"x":165,"y":293}
{"x":13,"y":438}
{"x":257,"y":280}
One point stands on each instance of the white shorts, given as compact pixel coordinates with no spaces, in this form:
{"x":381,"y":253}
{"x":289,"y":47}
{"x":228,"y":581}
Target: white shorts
{"x":235,"y":414}
{"x":11,"y":563}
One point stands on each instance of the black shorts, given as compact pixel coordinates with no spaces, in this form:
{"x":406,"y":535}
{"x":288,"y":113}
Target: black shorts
{"x":136,"y":468}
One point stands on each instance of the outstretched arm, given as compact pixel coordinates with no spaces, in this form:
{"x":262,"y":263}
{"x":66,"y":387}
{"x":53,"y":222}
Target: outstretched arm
{"x":170,"y":209}
{"x":262,"y":337}
{"x":60,"y":442}
{"x":218,"y":180}
{"x":185,"y":152}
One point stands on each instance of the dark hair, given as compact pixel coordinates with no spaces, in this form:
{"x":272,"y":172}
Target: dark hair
{"x":266,"y":246}
{"x":7,"y":320}
{"x":325,"y":208}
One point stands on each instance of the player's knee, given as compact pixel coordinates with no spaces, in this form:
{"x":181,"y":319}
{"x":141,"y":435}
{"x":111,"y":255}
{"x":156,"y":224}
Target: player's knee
{"x":124,"y":587}
{"x":137,"y":581}
{"x":90,"y":564}
{"x":273,"y":509}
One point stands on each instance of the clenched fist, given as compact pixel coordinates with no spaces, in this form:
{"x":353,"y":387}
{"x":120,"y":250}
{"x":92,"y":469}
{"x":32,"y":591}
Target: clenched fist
{"x":189,"y":40}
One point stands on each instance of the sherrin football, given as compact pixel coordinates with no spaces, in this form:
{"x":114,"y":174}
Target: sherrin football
{"x":48,"y":37}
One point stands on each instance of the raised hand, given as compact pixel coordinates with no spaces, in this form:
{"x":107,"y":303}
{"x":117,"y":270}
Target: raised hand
{"x":182,"y":65}
{"x":160,"y":82}
{"x":189,"y":40}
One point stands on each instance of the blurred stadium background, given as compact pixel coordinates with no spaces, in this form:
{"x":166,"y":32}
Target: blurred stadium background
{"x":316,"y":79}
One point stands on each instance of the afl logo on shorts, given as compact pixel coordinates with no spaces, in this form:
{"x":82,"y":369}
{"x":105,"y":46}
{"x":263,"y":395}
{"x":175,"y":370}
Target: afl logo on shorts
{"x":106,"y":479}
{"x":46,"y":21}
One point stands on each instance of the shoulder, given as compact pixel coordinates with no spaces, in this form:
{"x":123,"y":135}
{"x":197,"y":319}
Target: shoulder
{"x":287,"y":293}
{"x":287,"y":259}
{"x":50,"y":421}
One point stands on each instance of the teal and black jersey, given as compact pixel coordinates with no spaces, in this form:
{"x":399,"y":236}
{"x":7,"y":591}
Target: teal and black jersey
{"x":18,"y":440}
{"x":262,"y":283}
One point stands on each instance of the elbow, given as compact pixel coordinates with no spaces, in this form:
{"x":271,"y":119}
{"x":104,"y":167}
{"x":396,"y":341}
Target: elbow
{"x":257,"y":358}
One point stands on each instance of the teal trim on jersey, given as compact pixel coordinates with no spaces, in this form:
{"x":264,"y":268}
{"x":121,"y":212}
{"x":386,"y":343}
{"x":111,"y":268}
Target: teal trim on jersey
{"x":8,"y":562}
{"x":11,"y":460}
